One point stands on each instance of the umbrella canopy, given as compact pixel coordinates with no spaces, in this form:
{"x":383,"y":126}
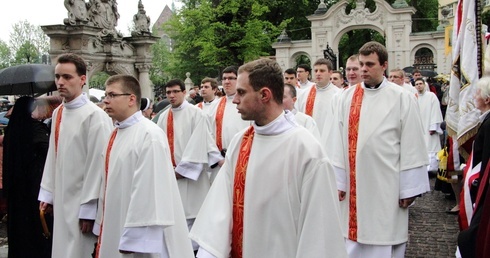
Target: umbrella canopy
{"x":27,"y":79}
{"x":409,"y":69}
{"x":428,"y":73}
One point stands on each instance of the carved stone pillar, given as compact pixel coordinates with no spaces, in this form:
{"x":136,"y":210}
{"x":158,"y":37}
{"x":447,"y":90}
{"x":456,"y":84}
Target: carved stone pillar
{"x":144,"y":78}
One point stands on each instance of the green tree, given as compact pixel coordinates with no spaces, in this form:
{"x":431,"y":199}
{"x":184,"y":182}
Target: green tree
{"x":210,"y":35}
{"x":28,"y":42}
{"x":97,"y":81}
{"x":5,"y":55}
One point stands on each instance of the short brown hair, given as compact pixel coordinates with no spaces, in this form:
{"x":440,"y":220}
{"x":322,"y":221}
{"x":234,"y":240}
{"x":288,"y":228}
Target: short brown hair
{"x":375,"y":47}
{"x":265,"y":73}
{"x":128,"y":84}
{"x":78,"y":61}
{"x":324,"y":61}
{"x":213,"y":82}
{"x":292,"y":89}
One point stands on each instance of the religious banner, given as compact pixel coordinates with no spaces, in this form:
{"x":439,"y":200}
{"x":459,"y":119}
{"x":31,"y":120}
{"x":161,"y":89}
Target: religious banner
{"x":462,"y":116}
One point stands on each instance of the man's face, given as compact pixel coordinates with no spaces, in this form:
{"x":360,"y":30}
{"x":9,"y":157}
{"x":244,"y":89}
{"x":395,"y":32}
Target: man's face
{"x":229,"y":83}
{"x":337,"y":80}
{"x":68,"y":82}
{"x":287,"y":99}
{"x":302,"y":74}
{"x":207,"y":91}
{"x":322,"y":75}
{"x":117,"y":106}
{"x":290,"y":79}
{"x":397,"y":78}
{"x":371,"y":70}
{"x":175,"y":95}
{"x":417,"y":75}
{"x":353,"y":72}
{"x":420,"y":86}
{"x":247,"y":100}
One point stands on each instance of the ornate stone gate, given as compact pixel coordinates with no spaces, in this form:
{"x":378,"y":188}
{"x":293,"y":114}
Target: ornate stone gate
{"x":89,"y":31}
{"x":394,"y":22}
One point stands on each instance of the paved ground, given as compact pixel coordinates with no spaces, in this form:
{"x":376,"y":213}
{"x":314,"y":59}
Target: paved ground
{"x":432,"y":231}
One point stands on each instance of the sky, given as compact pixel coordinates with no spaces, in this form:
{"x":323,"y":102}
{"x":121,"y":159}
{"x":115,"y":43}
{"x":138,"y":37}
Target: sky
{"x":51,"y":12}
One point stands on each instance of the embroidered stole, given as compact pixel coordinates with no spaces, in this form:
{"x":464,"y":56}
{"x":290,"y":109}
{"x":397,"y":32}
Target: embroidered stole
{"x":310,"y":101}
{"x":219,"y":122}
{"x":57,"y":128}
{"x":170,"y":135}
{"x":107,"y":157}
{"x":239,"y":193}
{"x":353,"y":133}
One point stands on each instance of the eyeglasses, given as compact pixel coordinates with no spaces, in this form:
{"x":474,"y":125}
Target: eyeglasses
{"x":172,"y":91}
{"x":111,"y":95}
{"x":229,"y":78}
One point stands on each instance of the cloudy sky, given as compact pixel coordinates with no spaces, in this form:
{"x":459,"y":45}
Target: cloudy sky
{"x":49,"y":12}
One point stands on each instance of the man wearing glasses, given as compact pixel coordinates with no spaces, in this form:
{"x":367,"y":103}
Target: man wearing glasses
{"x":191,"y":147}
{"x":141,"y":211}
{"x":225,"y":121}
{"x":397,"y":76}
{"x":72,"y":173}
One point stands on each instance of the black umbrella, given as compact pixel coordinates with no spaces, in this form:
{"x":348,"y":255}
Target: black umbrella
{"x":409,"y":69}
{"x":27,"y":79}
{"x":428,"y":73}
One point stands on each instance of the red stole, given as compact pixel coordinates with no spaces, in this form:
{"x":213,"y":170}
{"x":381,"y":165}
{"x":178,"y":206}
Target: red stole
{"x":219,"y":122}
{"x":170,"y":134}
{"x":353,"y":133}
{"x":57,"y":128}
{"x":107,"y":157}
{"x":239,"y":193}
{"x":310,"y":101}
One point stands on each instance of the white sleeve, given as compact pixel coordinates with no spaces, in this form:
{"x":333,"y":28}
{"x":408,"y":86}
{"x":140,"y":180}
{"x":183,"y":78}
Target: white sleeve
{"x":341,"y":178}
{"x":88,"y":210}
{"x":45,"y":196}
{"x":202,"y":253}
{"x":189,"y":170}
{"x":143,"y":240}
{"x":413,"y":182}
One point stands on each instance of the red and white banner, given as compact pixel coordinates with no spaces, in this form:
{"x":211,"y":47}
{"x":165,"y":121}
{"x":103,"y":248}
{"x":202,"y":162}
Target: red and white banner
{"x":462,"y":115}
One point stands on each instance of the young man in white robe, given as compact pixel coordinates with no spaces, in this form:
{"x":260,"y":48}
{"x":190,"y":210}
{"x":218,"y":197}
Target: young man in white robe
{"x":317,"y":101}
{"x":140,"y":208}
{"x":353,"y":70}
{"x":191,"y":146}
{"x":430,"y":112}
{"x":224,"y":119}
{"x":380,"y":165}
{"x":397,"y":76}
{"x":275,"y":195}
{"x":208,"y":89}
{"x":302,"y":119}
{"x":71,"y":178}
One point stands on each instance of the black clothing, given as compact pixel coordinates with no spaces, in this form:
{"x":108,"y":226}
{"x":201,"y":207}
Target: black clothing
{"x":25,"y":148}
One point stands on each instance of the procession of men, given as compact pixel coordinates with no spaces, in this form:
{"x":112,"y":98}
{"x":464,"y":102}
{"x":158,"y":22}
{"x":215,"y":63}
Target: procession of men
{"x":280,"y":166}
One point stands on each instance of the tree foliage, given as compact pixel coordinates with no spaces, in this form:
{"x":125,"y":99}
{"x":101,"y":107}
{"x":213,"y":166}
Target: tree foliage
{"x":5,"y":55}
{"x":209,"y":35}
{"x":27,"y":43}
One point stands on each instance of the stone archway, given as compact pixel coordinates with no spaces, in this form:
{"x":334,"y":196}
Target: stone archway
{"x":328,"y":26}
{"x":423,"y":57}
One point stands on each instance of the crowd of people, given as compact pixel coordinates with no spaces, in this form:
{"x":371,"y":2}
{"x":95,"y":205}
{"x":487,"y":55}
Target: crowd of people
{"x":279,"y":166}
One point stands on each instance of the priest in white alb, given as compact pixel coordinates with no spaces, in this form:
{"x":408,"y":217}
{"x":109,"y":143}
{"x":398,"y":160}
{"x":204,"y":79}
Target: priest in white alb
{"x":140,"y":212}
{"x":275,"y":195}
{"x":301,"y":118}
{"x":191,"y":148}
{"x":430,"y":112}
{"x":71,"y":177}
{"x":381,"y":159}
{"x":317,"y":100}
{"x":224,"y":119}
